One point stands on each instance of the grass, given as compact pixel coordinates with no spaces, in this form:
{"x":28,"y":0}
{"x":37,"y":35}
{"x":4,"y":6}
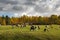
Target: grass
{"x":7,"y":33}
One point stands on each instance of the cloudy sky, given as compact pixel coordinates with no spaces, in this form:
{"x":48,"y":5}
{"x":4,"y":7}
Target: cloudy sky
{"x":29,"y":7}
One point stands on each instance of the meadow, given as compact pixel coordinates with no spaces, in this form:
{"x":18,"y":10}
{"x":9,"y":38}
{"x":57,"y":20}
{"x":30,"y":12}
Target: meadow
{"x":9,"y":33}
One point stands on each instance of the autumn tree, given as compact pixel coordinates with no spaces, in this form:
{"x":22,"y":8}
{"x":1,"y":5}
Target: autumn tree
{"x":3,"y":20}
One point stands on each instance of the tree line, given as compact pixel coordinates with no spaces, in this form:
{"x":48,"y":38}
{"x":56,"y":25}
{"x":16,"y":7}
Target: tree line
{"x":37,"y":20}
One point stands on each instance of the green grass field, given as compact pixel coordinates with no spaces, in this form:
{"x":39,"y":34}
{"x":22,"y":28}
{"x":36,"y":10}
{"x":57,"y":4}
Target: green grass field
{"x":7,"y":33}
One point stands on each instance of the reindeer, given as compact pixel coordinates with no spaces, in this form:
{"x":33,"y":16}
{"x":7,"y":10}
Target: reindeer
{"x":32,"y":28}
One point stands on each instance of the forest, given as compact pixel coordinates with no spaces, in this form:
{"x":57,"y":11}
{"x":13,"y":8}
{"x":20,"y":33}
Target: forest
{"x":35,"y":20}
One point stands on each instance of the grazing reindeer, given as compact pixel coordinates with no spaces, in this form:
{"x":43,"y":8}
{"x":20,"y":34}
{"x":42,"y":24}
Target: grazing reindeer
{"x":46,"y":30}
{"x":38,"y":27}
{"x":32,"y":28}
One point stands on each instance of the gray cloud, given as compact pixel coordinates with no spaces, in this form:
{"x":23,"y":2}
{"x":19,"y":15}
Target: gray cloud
{"x":30,"y":6}
{"x":8,"y":1}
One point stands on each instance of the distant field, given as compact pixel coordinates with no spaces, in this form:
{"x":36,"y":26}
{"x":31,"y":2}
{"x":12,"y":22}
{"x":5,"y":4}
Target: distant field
{"x":7,"y":33}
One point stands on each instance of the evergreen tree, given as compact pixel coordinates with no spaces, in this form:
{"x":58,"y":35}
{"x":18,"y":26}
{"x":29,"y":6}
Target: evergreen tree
{"x":7,"y":19}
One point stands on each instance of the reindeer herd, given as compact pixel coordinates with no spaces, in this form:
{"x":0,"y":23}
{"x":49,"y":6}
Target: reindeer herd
{"x":33,"y":27}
